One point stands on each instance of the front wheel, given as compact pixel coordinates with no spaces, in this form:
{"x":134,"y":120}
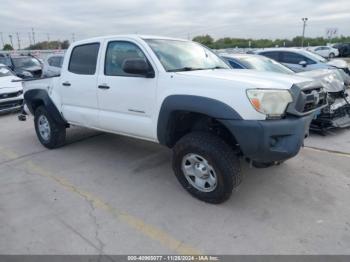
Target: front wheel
{"x":206,"y":167}
{"x":50,"y":133}
{"x":331,"y":55}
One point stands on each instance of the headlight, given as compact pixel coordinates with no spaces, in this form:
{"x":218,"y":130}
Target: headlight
{"x":272,"y":103}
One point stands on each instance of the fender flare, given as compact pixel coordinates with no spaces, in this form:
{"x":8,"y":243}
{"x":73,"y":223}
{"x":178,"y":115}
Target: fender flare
{"x":195,"y":104}
{"x":34,"y":96}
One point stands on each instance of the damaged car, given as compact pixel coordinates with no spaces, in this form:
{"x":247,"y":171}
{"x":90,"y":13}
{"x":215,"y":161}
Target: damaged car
{"x":336,"y":82}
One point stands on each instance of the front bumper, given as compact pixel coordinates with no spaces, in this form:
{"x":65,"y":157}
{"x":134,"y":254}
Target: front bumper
{"x":270,"y":140}
{"x":336,"y":115}
{"x":8,"y":105}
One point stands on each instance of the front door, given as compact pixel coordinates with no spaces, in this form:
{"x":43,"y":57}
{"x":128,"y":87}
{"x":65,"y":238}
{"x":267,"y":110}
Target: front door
{"x":126,"y":101}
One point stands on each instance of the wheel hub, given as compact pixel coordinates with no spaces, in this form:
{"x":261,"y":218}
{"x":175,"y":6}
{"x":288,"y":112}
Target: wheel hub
{"x":44,"y":127}
{"x":199,"y":173}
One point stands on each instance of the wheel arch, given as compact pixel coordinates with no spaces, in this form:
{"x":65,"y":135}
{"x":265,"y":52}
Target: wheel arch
{"x":38,"y":97}
{"x":201,"y":107}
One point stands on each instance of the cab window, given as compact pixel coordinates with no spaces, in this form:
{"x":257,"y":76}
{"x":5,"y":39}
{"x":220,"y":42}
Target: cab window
{"x":116,"y":54}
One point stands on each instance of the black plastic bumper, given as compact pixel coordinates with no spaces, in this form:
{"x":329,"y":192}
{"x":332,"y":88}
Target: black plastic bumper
{"x":270,"y":140}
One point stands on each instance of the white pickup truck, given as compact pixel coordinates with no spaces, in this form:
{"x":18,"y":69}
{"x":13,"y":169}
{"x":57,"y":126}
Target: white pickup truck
{"x":179,"y":94}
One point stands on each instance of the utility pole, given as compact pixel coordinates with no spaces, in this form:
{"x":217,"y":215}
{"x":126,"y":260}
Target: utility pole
{"x":33,"y":34}
{"x":48,"y":41}
{"x":30,"y":38}
{"x":18,"y":41}
{"x":304,"y":19}
{"x":2,"y":40}
{"x":10,"y":36}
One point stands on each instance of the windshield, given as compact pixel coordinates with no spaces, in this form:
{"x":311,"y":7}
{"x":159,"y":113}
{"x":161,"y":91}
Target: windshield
{"x":264,"y":64}
{"x":177,"y":55}
{"x":316,"y":57}
{"x":25,"y":61}
{"x":5,"y":60}
{"x":4,"y":71}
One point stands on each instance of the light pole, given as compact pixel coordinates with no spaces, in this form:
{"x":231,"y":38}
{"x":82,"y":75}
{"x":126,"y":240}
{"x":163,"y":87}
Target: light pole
{"x":304,"y":19}
{"x":10,"y":36}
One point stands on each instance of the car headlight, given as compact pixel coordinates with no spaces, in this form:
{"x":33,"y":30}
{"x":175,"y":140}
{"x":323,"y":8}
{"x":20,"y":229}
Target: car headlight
{"x":270,"y":102}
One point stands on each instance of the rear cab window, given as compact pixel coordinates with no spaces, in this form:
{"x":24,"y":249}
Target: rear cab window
{"x":83,"y":59}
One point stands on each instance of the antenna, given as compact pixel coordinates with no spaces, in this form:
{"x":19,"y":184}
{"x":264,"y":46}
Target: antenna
{"x":73,"y":38}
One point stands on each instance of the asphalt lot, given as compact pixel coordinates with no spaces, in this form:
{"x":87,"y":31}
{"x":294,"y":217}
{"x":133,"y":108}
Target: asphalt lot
{"x":109,"y":194}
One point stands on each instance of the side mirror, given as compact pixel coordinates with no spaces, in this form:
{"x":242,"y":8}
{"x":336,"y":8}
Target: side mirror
{"x":137,"y":66}
{"x":303,"y":63}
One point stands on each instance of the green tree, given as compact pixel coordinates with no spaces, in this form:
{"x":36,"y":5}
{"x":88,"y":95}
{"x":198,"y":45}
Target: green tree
{"x":228,"y":42}
{"x":7,"y":47}
{"x":49,"y":45}
{"x":204,"y":40}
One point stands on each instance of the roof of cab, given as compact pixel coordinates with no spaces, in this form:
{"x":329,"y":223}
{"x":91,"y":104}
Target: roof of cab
{"x":129,"y":36}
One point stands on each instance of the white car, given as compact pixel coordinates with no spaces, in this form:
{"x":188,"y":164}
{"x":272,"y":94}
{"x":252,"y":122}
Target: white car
{"x":324,"y":51}
{"x":11,"y":93}
{"x":52,"y":65}
{"x":302,"y":60}
{"x":179,"y":94}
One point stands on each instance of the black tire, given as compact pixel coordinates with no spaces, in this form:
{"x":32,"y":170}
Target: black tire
{"x":218,"y":154}
{"x":331,"y":55}
{"x":57,"y":135}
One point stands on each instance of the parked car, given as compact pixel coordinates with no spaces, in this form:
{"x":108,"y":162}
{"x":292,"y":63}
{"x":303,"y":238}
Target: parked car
{"x":344,"y":49}
{"x":52,"y":65}
{"x":180,"y":94}
{"x":22,"y":66}
{"x":324,"y":51}
{"x":11,"y":93}
{"x":302,"y":60}
{"x":335,"y":115}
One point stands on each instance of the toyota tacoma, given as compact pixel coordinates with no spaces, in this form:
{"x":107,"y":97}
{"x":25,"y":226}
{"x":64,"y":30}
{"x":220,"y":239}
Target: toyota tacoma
{"x":180,"y":94}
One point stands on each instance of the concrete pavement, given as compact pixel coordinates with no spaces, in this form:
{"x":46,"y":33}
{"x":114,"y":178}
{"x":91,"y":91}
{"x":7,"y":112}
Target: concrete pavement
{"x":110,"y":194}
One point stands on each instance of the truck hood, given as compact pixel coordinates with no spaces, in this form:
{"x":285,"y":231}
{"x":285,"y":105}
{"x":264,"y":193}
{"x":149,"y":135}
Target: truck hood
{"x":6,"y":82}
{"x":339,"y":63}
{"x":330,"y":78}
{"x":254,"y":78}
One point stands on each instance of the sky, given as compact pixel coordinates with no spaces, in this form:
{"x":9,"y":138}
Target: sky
{"x":60,"y":19}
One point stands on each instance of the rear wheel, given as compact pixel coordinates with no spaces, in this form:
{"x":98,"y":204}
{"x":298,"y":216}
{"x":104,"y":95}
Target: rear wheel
{"x":206,"y":166}
{"x":50,"y":133}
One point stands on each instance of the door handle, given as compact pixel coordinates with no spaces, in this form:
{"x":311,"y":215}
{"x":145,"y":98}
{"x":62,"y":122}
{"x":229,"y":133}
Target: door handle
{"x":103,"y":87}
{"x":66,"y":83}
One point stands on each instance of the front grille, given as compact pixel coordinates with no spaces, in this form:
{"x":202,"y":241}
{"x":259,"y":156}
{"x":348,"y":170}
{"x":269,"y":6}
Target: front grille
{"x":10,"y":104}
{"x":10,"y":95}
{"x":307,"y":99}
{"x":314,"y":98}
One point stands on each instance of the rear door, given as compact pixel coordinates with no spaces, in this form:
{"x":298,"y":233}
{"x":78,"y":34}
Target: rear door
{"x":79,"y":85}
{"x":127,"y":102}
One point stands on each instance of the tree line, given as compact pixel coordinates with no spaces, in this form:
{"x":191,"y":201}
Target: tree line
{"x":42,"y":45}
{"x":228,"y":42}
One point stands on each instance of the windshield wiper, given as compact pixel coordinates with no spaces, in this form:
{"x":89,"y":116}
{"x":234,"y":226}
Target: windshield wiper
{"x":186,"y":68}
{"x":218,"y":67}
